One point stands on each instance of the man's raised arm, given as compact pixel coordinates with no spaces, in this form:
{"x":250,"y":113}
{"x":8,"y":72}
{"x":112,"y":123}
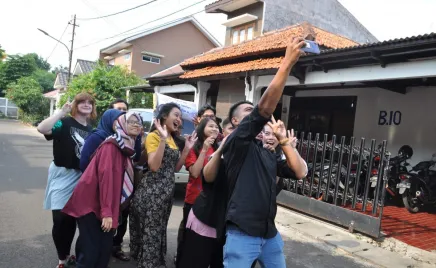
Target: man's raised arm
{"x":269,"y":100}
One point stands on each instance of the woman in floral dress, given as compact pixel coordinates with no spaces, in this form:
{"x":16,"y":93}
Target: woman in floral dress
{"x":153,"y":199}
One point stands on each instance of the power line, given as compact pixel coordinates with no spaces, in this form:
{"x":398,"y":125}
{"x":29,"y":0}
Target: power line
{"x":116,"y":13}
{"x":56,"y":45}
{"x":134,"y":28}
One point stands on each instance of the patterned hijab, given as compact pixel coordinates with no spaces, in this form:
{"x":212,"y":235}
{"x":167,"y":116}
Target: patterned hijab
{"x":126,"y":145}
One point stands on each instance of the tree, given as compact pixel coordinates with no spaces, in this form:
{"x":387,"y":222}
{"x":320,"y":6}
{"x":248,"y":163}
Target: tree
{"x":59,"y":68}
{"x":40,"y":62}
{"x":45,"y":79}
{"x":16,"y":67}
{"x":26,"y":93}
{"x":105,"y":83}
{"x":2,"y":54}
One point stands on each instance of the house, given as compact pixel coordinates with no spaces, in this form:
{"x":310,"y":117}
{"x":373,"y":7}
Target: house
{"x":159,"y":48}
{"x":248,"y":19}
{"x":61,"y":82}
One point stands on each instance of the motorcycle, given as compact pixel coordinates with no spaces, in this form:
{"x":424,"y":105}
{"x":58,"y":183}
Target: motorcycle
{"x":397,"y":172}
{"x":420,"y":186}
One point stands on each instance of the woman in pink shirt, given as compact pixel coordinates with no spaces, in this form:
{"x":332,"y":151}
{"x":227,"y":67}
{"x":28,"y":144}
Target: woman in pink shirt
{"x":104,"y":190}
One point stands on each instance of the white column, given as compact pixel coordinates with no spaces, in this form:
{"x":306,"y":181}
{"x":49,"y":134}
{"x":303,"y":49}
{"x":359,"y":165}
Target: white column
{"x":52,"y":103}
{"x":156,"y":90}
{"x":252,"y":90}
{"x":201,"y":93}
{"x":128,"y":95}
{"x":286,"y":107}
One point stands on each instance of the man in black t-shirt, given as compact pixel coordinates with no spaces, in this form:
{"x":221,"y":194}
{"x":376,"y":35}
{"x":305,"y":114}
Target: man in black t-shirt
{"x":251,"y":172}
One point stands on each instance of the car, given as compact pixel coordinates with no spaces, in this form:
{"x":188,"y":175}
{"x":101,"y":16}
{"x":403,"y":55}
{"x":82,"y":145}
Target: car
{"x":181,"y":177}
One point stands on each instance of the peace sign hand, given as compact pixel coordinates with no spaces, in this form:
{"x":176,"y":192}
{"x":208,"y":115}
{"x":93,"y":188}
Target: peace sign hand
{"x":66,"y":109}
{"x":278,"y":128}
{"x":190,"y":140}
{"x":292,"y":138}
{"x":163,"y":133}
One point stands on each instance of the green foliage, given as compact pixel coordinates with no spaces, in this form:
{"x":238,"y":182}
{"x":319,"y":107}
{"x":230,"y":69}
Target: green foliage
{"x":136,"y":99}
{"x":16,"y":67}
{"x":45,"y":79}
{"x":104,"y":83}
{"x":2,"y":54}
{"x":40,"y":62}
{"x":26,"y":93}
{"x":59,"y":69}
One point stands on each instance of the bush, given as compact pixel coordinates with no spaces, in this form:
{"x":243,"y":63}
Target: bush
{"x":26,"y":93}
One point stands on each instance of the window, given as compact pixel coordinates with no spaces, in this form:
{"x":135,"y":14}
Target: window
{"x":151,"y":59}
{"x":112,"y":62}
{"x":243,"y":33}
{"x":250,"y":33}
{"x":127,"y":56}
{"x":235,"y":37}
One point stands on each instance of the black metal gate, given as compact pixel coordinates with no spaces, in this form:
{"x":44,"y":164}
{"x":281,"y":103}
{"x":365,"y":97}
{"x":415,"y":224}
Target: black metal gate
{"x":345,"y":184}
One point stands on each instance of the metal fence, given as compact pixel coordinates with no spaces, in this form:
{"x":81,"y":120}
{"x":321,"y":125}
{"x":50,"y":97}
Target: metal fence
{"x":8,"y":108}
{"x":345,"y":183}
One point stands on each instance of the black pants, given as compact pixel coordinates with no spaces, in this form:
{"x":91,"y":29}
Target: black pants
{"x":186,"y":209}
{"x":64,"y":229}
{"x":121,"y":230}
{"x":200,"y":252}
{"x":94,"y":244}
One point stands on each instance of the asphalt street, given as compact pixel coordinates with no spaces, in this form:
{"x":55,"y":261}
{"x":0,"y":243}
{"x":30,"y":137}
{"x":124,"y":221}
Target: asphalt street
{"x":25,"y":228}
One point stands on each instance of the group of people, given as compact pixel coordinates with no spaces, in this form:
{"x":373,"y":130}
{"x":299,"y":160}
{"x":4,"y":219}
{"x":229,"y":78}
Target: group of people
{"x":95,"y":182}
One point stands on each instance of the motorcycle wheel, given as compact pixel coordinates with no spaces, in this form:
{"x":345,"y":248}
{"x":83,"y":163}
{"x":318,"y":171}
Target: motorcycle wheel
{"x":409,"y":203}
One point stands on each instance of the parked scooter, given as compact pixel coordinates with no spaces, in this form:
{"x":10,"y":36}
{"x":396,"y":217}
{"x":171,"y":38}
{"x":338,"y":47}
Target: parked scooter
{"x":397,"y":172}
{"x":420,"y":186}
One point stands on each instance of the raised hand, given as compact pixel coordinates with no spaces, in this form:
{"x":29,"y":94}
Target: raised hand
{"x":293,"y":50}
{"x":163,"y":133}
{"x":278,"y":128}
{"x":190,"y":140}
{"x":292,"y":138}
{"x":66,"y":109}
{"x":208,"y":142}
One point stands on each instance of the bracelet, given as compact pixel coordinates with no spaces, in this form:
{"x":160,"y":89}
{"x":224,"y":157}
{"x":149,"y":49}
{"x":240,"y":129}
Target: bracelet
{"x":284,"y":141}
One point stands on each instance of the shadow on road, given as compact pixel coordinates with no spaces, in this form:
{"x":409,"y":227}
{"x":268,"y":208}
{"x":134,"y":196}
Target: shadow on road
{"x":24,"y":162}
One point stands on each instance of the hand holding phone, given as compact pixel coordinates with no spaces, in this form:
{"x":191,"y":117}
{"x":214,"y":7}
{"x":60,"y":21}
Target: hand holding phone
{"x":311,"y":47}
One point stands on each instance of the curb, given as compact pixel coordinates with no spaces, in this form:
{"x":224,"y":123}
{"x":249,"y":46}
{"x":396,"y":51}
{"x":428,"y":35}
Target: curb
{"x":389,"y":253}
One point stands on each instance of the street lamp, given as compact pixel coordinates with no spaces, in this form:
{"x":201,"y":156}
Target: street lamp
{"x":69,"y":52}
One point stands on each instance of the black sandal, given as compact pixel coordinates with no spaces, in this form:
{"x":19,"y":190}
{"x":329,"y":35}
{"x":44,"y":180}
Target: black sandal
{"x":119,"y":254}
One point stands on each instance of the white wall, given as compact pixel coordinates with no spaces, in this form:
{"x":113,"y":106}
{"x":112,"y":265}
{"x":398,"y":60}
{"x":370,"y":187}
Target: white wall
{"x":418,"y":117}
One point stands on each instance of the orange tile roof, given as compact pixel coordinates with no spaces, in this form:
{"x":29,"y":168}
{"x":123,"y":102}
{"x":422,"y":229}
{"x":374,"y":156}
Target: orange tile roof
{"x":269,"y":42}
{"x":260,"y":64}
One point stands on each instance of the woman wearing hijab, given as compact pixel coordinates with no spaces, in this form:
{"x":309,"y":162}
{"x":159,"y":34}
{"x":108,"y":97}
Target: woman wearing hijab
{"x":97,"y":137}
{"x":103,"y":191}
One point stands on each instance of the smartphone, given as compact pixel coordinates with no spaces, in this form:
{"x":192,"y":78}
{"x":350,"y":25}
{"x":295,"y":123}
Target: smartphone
{"x":311,"y":47}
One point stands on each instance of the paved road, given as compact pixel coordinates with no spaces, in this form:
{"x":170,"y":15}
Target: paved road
{"x":25,"y":228}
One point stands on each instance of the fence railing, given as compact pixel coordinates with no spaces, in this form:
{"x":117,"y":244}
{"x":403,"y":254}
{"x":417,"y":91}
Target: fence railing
{"x":8,"y":108}
{"x":347,"y":178}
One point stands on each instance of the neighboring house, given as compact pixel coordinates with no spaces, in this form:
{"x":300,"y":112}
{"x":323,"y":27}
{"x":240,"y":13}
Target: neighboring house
{"x":248,"y":19}
{"x":84,"y":67}
{"x":61,"y":82}
{"x":161,"y":47}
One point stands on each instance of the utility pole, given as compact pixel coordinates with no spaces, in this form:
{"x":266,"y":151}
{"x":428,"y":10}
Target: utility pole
{"x":72,"y":46}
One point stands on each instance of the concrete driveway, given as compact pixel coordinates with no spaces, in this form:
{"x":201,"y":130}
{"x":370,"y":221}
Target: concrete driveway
{"x":25,"y":228}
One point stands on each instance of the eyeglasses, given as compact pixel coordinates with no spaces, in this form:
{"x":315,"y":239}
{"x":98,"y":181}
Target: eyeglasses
{"x":208,"y":116}
{"x":134,"y":123}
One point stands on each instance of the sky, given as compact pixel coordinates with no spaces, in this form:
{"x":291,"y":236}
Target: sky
{"x":19,"y":20}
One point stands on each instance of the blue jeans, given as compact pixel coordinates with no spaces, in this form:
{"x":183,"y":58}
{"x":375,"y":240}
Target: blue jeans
{"x":241,"y":250}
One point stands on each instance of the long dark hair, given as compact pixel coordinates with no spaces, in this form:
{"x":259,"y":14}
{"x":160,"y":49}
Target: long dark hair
{"x":201,"y":137}
{"x":163,"y":111}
